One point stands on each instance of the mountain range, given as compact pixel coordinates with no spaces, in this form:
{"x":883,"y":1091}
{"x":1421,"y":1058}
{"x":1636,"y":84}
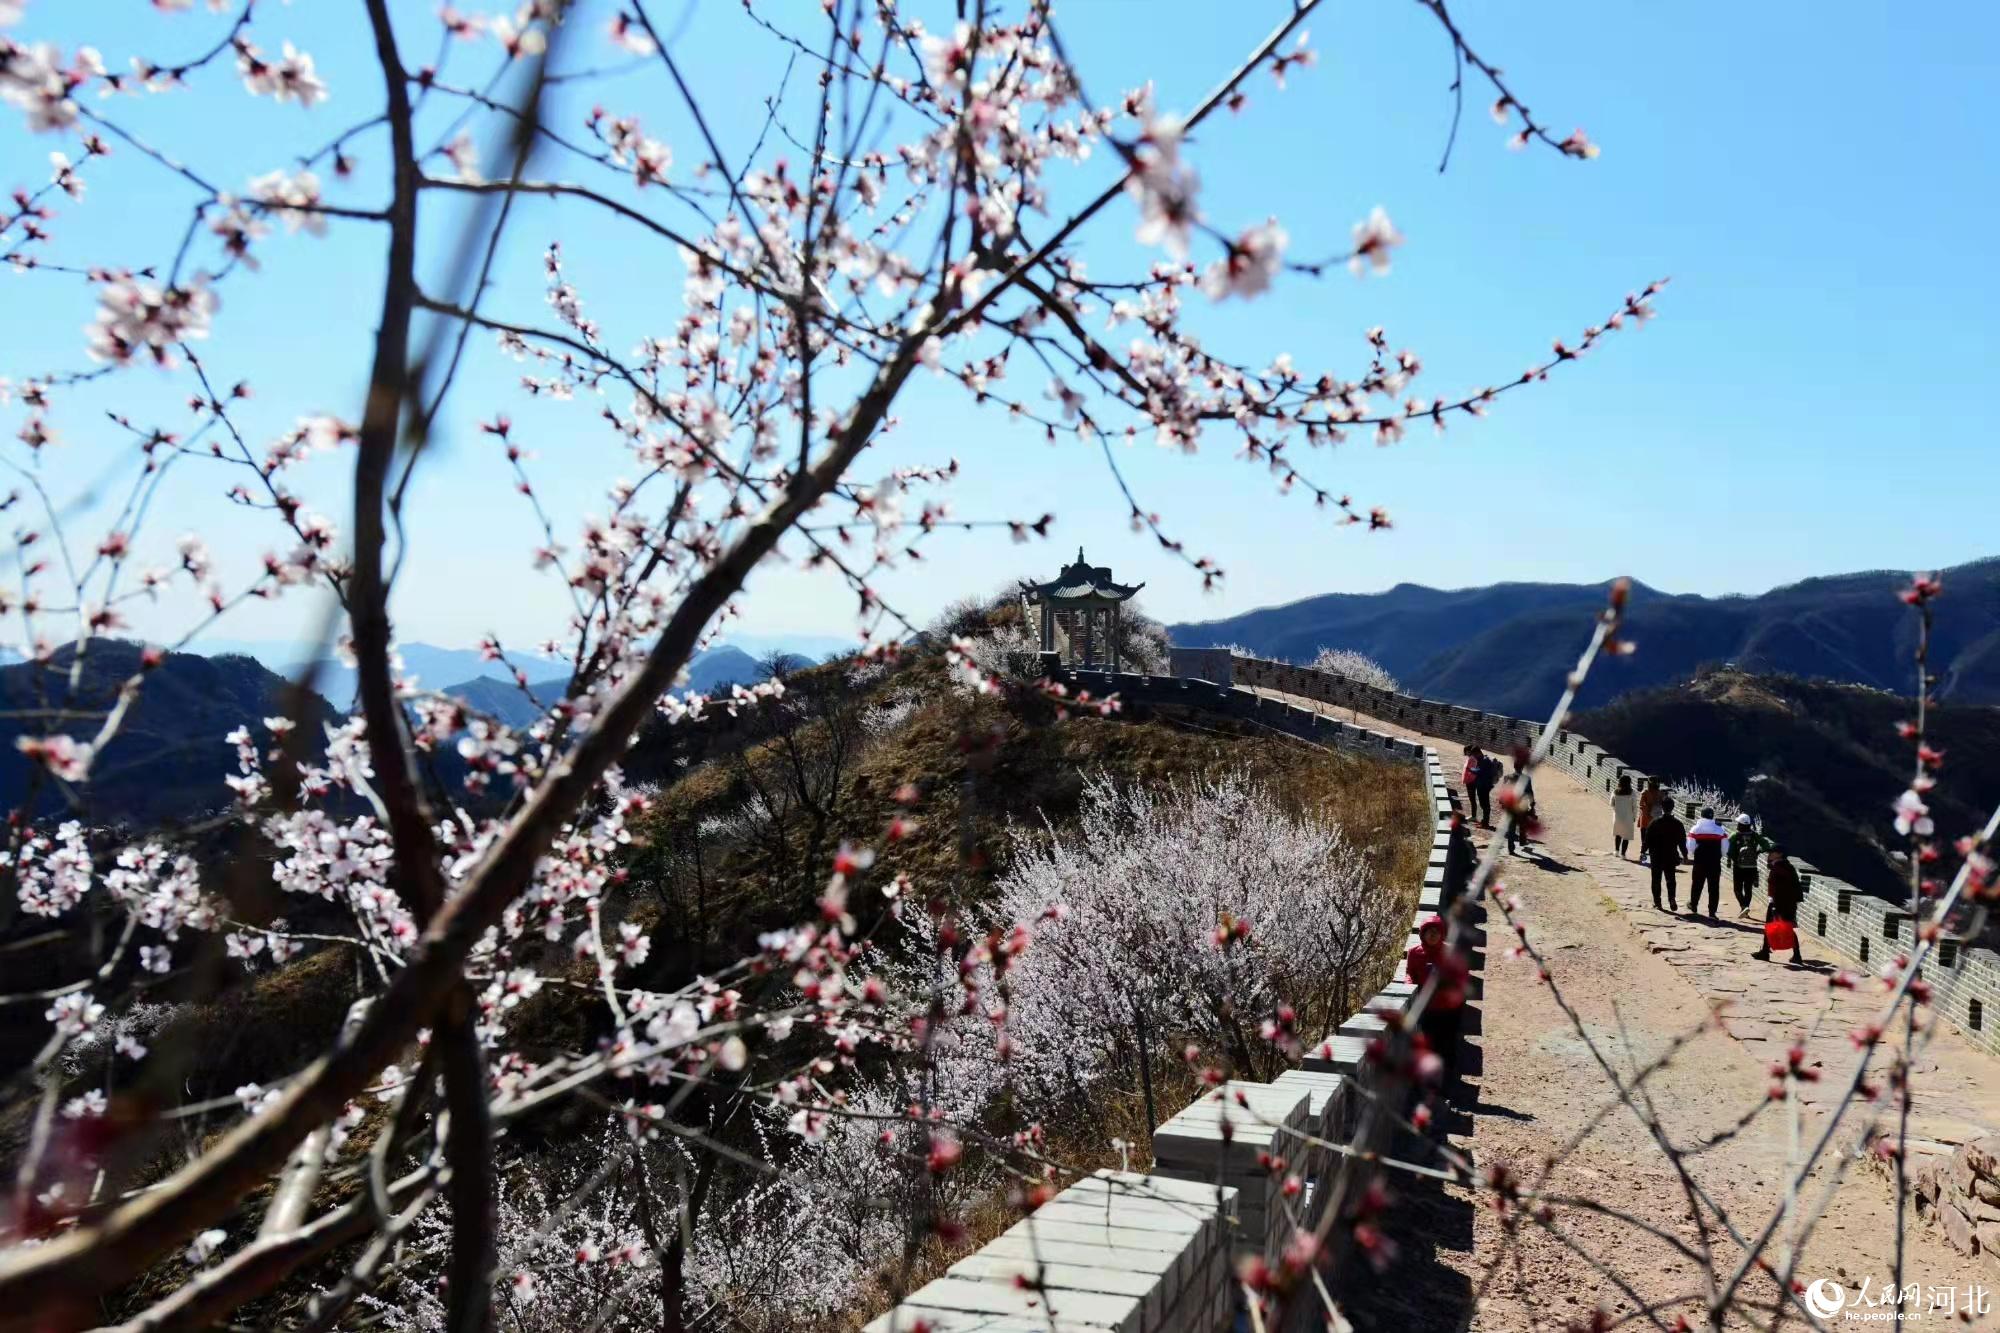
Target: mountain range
{"x":1507,"y":648}
{"x":714,"y":669}
{"x":169,"y":757}
{"x":459,"y":671}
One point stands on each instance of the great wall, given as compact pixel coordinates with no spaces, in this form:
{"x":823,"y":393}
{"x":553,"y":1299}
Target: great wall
{"x":1156,"y":1252}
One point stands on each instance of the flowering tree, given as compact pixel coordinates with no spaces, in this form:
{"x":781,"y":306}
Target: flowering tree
{"x":1355,"y":666}
{"x":1199,"y":911}
{"x":920,"y":206}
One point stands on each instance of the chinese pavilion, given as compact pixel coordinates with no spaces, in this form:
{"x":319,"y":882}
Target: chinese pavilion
{"x":1079,"y":613}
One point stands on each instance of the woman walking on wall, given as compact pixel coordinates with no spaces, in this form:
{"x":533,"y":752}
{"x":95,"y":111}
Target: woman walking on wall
{"x":1649,"y":806}
{"x":1624,"y":814}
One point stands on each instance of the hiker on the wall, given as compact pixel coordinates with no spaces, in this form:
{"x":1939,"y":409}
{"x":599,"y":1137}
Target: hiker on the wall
{"x":1662,"y":844}
{"x":1441,"y":1017}
{"x":1785,"y":892}
{"x":1746,"y":848}
{"x":1481,"y":772}
{"x":1649,"y":807}
{"x":1523,"y":812}
{"x":1708,"y":848}
{"x":1624,"y":814}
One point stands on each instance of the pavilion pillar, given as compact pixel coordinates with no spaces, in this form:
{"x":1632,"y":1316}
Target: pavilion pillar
{"x":1113,"y":616}
{"x":1048,"y":626}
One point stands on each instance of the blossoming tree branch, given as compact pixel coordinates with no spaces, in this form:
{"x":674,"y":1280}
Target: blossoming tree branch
{"x":923,"y":203}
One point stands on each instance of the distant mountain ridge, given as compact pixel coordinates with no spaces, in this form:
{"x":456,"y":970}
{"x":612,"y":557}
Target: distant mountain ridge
{"x":1508,"y":647}
{"x":727,"y":661}
{"x":501,"y":697}
{"x":169,"y":759}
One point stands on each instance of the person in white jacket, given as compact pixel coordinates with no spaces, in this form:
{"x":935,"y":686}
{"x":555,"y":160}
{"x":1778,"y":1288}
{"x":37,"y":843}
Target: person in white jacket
{"x":1707,"y":848}
{"x":1624,"y":815}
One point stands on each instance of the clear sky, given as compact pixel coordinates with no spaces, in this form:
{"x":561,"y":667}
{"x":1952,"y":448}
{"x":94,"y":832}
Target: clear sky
{"x":1815,"y":177}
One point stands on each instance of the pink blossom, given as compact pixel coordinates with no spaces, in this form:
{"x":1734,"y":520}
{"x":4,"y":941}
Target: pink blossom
{"x":1253,"y":260}
{"x":1913,"y":816}
{"x":64,"y":756}
{"x":1374,"y":238}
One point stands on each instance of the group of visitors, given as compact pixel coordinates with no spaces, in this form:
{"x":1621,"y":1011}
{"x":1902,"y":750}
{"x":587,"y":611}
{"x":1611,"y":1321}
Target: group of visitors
{"x":1665,"y":842}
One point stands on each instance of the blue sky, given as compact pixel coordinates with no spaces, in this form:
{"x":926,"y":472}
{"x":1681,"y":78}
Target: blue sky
{"x":1815,"y":178}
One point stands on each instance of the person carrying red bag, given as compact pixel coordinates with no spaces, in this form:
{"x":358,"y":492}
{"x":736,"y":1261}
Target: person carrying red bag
{"x":1781,"y":880}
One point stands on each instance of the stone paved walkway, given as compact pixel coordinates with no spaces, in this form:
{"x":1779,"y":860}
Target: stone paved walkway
{"x":1638,"y":979}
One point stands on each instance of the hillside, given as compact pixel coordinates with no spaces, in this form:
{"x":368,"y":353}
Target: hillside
{"x":169,"y":758}
{"x":1819,"y":763}
{"x":743,"y":836}
{"x":1507,"y":647}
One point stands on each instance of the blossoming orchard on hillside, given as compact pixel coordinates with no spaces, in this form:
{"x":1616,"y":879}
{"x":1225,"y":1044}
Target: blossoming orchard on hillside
{"x":933,"y":202}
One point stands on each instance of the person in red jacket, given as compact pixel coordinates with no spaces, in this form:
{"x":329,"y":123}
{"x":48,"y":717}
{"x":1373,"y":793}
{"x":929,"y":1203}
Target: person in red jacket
{"x":1442,"y":1012}
{"x":1786,"y":892}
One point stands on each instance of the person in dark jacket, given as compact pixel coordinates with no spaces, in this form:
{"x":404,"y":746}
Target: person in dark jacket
{"x":1746,"y":848}
{"x":1479,"y":775}
{"x":1785,"y":892}
{"x":1665,"y":840}
{"x":1708,"y":848}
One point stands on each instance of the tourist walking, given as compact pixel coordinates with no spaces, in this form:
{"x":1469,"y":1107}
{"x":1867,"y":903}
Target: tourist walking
{"x":1661,"y":845}
{"x":1746,"y":848}
{"x":1708,"y":848}
{"x":1523,"y":812}
{"x":1624,"y":814}
{"x":1649,"y":805}
{"x":1784,"y":892}
{"x":1441,"y":1016}
{"x":1481,"y":772}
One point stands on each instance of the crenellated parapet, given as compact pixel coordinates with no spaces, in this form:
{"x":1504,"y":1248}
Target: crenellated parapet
{"x":1157,"y":1252}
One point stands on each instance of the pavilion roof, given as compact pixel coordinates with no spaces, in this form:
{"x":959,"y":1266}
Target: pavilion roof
{"x":1081,"y":581}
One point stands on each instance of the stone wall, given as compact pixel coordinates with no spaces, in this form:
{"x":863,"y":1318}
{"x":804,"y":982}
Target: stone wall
{"x":1961,"y":1193}
{"x":1863,"y":929}
{"x":1156,"y":1252}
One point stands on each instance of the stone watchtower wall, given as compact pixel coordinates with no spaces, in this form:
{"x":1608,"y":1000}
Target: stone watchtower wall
{"x":1864,"y":929}
{"x":1156,"y":1251}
